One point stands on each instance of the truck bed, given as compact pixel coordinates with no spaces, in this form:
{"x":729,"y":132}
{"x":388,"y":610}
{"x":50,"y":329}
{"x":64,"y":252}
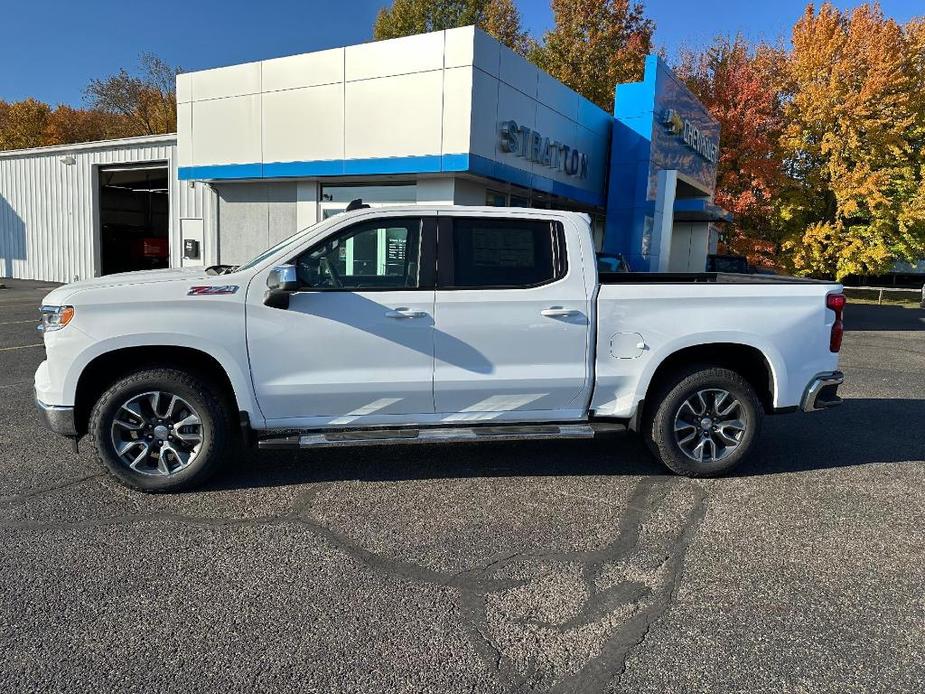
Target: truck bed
{"x":701,"y":277}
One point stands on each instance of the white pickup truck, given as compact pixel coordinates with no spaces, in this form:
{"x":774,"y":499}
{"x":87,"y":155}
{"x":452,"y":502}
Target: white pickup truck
{"x":415,"y":324}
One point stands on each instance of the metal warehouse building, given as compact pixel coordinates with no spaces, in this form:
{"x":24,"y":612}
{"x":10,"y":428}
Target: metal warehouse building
{"x":264,"y":149}
{"x":84,"y":210}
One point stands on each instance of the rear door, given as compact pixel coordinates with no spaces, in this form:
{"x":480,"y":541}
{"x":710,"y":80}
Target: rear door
{"x":512,"y":321}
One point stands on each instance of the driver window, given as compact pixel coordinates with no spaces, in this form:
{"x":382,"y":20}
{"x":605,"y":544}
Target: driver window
{"x":381,"y":254}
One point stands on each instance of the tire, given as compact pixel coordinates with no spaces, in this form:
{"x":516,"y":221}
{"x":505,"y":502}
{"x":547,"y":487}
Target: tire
{"x":678,"y":405}
{"x":165,"y":456}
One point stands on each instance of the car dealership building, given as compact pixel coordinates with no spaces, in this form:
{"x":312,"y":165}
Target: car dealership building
{"x":267,"y":148}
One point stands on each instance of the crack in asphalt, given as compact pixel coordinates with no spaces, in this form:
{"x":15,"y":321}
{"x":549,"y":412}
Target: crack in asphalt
{"x":474,"y":585}
{"x":660,"y":606}
{"x":15,"y":499}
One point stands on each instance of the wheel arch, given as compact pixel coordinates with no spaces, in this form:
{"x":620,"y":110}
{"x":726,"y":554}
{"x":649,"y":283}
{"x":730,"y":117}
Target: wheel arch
{"x":106,"y":368}
{"x":747,"y":360}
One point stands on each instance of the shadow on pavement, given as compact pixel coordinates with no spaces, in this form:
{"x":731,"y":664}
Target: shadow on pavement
{"x":861,"y":317}
{"x":860,"y":432}
{"x":863,"y":431}
{"x":617,"y":455}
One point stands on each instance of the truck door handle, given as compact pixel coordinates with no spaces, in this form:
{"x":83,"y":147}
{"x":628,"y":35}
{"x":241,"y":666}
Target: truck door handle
{"x":559,"y":312}
{"x":401,"y":313}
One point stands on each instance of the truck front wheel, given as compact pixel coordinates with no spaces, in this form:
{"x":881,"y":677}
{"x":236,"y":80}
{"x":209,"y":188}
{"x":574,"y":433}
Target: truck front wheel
{"x":705,"y":420}
{"x":160,"y":430}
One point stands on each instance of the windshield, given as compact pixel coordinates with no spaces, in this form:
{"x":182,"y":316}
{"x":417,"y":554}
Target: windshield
{"x":295,"y":238}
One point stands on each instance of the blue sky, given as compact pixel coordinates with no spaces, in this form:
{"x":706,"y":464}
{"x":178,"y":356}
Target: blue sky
{"x":52,"y":48}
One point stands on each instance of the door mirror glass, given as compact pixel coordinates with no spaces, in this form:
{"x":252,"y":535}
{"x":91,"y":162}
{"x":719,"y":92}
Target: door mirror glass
{"x":283,"y":278}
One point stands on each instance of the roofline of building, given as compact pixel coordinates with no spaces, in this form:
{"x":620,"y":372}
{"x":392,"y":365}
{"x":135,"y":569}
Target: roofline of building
{"x":94,"y":144}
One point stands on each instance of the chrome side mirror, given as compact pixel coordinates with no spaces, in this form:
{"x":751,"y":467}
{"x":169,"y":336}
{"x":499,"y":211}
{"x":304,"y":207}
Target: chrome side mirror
{"x":283,"y":278}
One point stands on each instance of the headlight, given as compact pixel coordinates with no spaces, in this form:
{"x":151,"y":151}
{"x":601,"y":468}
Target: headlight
{"x":55,"y":318}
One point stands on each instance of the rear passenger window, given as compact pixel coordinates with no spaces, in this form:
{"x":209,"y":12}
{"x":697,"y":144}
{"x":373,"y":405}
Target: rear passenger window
{"x":500,"y":253}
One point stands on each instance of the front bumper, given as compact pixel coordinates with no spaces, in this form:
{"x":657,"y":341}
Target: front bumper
{"x":58,"y":418}
{"x":822,"y":392}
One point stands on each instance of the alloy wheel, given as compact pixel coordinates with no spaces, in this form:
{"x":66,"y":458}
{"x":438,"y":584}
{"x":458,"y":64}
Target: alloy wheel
{"x":157,"y":433}
{"x":710,"y":425}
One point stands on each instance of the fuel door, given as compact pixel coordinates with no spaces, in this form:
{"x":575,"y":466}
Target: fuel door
{"x":627,"y":345}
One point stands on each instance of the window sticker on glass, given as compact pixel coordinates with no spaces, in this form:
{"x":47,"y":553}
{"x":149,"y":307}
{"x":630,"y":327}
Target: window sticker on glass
{"x":511,"y":249}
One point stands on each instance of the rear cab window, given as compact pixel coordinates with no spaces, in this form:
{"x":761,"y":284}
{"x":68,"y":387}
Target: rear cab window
{"x":489,"y":253}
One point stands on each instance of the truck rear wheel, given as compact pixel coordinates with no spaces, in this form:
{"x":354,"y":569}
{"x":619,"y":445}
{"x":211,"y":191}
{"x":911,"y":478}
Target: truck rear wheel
{"x":705,"y":420}
{"x":160,"y":430}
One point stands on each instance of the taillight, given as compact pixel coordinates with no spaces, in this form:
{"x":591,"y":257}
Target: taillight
{"x":836,"y":302}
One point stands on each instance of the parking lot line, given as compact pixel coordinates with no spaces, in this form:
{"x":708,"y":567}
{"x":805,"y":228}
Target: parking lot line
{"x":15,"y":322}
{"x":7,"y":349}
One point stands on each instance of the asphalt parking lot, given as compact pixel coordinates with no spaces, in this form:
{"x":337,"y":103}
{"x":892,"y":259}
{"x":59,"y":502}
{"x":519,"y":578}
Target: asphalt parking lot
{"x":565,"y":567}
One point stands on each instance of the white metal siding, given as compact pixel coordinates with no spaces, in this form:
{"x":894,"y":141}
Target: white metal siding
{"x":48,"y":209}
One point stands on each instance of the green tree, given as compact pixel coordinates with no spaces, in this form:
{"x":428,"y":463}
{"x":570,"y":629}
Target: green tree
{"x":595,"y":45}
{"x":498,"y":18}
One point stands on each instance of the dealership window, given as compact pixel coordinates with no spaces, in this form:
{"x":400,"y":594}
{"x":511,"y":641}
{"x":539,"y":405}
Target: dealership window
{"x":335,"y":198}
{"x":501,"y":253}
{"x":520,"y":200}
{"x":495,"y":198}
{"x":379,"y":254}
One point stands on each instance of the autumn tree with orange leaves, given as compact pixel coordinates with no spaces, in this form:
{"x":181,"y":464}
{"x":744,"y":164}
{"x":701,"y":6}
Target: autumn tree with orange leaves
{"x":823,"y":145}
{"x":854,"y":142}
{"x":740,"y":86}
{"x":121,"y":105}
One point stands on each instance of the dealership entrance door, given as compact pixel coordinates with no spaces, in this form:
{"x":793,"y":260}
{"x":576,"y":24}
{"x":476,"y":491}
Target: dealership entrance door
{"x":134,"y":217}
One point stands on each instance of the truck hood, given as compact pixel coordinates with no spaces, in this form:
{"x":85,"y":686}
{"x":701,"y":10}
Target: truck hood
{"x":62,"y":294}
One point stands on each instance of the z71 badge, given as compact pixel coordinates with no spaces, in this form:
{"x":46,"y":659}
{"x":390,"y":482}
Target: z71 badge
{"x":211,"y":290}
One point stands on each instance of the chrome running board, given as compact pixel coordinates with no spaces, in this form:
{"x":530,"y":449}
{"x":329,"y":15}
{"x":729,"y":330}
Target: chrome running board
{"x":379,"y":437}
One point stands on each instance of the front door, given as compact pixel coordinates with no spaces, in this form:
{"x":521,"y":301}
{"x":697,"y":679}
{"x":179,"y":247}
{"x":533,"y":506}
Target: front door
{"x":512,"y":322}
{"x":356,"y":344}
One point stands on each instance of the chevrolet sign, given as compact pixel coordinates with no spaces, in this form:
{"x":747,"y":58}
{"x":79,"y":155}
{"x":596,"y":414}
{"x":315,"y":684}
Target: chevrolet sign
{"x":692,"y":136}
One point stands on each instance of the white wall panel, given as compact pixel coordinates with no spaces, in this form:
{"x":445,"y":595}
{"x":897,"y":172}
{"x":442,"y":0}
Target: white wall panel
{"x":222,"y":82}
{"x":394,"y":57}
{"x":487,"y":53}
{"x":484,"y":115}
{"x":459,"y":47}
{"x":394,"y":116}
{"x":227,"y":131}
{"x":517,"y":72}
{"x":184,"y":87}
{"x":517,"y":106}
{"x":185,"y":134}
{"x":306,"y":70}
{"x":556,"y":127}
{"x":552,"y":93}
{"x":304,"y":124}
{"x":457,"y":109}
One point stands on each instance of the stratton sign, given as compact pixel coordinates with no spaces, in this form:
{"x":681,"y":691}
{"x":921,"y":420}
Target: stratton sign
{"x":521,"y":141}
{"x":692,"y":136}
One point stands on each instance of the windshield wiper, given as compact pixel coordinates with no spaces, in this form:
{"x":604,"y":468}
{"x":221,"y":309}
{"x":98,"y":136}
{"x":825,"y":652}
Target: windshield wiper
{"x":220,"y":269}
